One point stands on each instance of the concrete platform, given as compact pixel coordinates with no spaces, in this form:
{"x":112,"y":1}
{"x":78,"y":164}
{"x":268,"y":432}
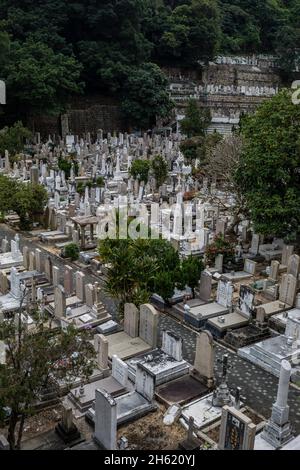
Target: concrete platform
{"x":237,"y":276}
{"x":125,"y":347}
{"x":231,"y":321}
{"x":159,"y":364}
{"x":202,"y":411}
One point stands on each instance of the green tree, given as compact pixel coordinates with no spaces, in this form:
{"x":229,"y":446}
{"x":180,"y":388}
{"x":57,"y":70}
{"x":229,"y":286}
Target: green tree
{"x":268,"y":172}
{"x":159,"y":168}
{"x":140,"y":170}
{"x":36,"y":358}
{"x":220,"y":246}
{"x":13,"y":138}
{"x":72,"y":251}
{"x":4,"y":47}
{"x":29,"y":203}
{"x":38,"y":79}
{"x":65,"y":164}
{"x":191,"y":269}
{"x":8,"y":189}
{"x":196,"y":120}
{"x":145,"y":96}
{"x":135,"y":267}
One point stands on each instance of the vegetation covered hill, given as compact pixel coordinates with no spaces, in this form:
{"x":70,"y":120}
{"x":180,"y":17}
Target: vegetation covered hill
{"x":50,"y":50}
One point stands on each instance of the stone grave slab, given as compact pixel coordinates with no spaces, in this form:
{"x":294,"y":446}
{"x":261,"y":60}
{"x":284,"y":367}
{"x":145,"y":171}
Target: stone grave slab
{"x":198,"y":316}
{"x":125,"y":347}
{"x":180,"y":391}
{"x":218,"y":326}
{"x":160,"y":364}
{"x":275,"y":307}
{"x":132,"y":406}
{"x":203,"y":412}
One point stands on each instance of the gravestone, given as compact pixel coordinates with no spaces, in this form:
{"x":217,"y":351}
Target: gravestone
{"x":287,"y":251}
{"x":101,"y":348}
{"x":205,"y":286}
{"x":59,"y":302}
{"x":131,"y":320}
{"x":219,"y":263}
{"x":31,"y":261}
{"x":48,"y":268}
{"x":39,"y":261}
{"x":55,"y":276}
{"x":105,"y":420}
{"x":89,"y":295}
{"x":237,"y":431}
{"x":277,"y":431}
{"x":220,"y":227}
{"x":246,"y":301}
{"x":288,"y":289}
{"x":144,"y":382}
{"x":119,"y":371}
{"x":250,"y":267}
{"x":274,"y":270}
{"x":293,"y":265}
{"x":66,"y":429}
{"x":4,"y":245}
{"x":204,"y":360}
{"x":224,"y":293}
{"x":254,"y":245}
{"x":68,"y":280}
{"x":149,"y":324}
{"x":26,"y":257}
{"x":172,"y":345}
{"x":4,"y":287}
{"x":79,"y":285}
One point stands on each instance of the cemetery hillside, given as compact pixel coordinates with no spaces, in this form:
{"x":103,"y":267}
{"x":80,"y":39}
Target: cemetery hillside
{"x":150,"y":230}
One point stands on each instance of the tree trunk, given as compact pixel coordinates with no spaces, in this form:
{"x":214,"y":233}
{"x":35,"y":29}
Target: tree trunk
{"x":13,"y":420}
{"x":20,"y":432}
{"x":193,"y":292}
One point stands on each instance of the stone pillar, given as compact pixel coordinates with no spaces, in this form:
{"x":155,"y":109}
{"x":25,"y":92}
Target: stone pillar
{"x":277,"y":431}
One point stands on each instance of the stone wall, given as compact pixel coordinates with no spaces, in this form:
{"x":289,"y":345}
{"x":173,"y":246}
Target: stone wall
{"x":85,"y":114}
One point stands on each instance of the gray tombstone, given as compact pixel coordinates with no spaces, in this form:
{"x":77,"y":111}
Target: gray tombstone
{"x":149,"y":324}
{"x":101,"y":348}
{"x":119,"y":371}
{"x":68,"y":280}
{"x":204,"y":360}
{"x":172,"y":345}
{"x":105,"y":420}
{"x":293,"y":265}
{"x":59,"y":302}
{"x":131,"y":320}
{"x":205,"y":286}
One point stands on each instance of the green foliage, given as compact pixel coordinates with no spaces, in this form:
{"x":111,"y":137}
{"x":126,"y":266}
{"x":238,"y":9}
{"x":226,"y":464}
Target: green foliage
{"x":140,"y":170}
{"x":145,"y":96}
{"x":27,"y":200}
{"x":34,"y":358}
{"x":159,"y":168}
{"x":100,"y":182}
{"x":137,"y":267}
{"x":220,"y":246}
{"x":114,"y":47}
{"x":268,"y":172}
{"x":65,"y":164}
{"x":40,"y":79}
{"x":13,"y":138}
{"x":196,"y":120}
{"x":191,"y":269}
{"x":72,"y":251}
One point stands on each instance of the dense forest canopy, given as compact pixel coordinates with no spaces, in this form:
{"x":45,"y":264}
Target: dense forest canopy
{"x":61,"y":47}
